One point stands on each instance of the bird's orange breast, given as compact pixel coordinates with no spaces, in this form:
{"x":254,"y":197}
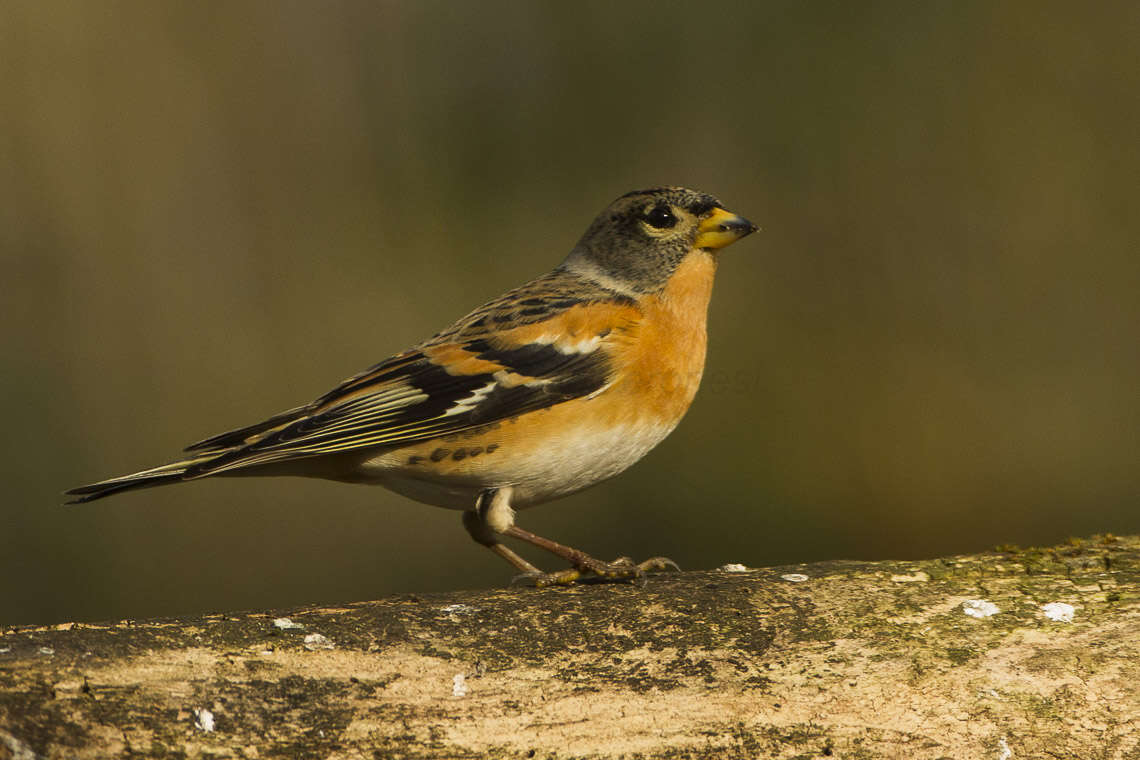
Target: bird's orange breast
{"x":663,"y":362}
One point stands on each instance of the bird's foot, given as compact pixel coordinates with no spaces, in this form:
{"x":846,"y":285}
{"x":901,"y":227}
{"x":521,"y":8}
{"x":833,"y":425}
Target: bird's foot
{"x":589,"y":569}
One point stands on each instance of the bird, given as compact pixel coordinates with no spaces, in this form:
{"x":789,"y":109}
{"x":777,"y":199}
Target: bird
{"x":552,"y":387}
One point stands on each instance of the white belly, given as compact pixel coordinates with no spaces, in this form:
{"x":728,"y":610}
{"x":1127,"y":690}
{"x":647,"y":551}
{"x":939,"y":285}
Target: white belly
{"x":560,"y":466}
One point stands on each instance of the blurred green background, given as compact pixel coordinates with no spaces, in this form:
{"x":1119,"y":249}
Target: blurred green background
{"x":210,"y":212}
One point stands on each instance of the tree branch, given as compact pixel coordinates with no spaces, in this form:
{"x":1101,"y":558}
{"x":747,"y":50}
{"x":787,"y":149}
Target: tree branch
{"x":1018,"y":654}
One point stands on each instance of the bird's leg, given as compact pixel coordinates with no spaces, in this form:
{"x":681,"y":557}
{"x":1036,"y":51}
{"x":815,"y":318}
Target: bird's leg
{"x":620,"y":569}
{"x":490,"y":518}
{"x":493,"y":518}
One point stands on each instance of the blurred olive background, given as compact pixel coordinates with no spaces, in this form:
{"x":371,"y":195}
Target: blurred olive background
{"x":210,"y":212}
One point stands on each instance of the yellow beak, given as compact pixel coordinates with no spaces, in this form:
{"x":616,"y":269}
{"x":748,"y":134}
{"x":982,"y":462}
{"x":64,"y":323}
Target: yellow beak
{"x":720,"y":228}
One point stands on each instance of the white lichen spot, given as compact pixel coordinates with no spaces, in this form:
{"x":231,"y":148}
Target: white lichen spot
{"x":459,"y":685}
{"x":917,"y":577}
{"x":203,"y":720}
{"x":458,"y":609}
{"x":979,"y":608}
{"x":794,"y":577}
{"x":1004,"y":752}
{"x":316,"y":641}
{"x":1059,"y":612}
{"x":47,"y":651}
{"x":734,"y":567}
{"x":286,"y":624}
{"x":16,"y":749}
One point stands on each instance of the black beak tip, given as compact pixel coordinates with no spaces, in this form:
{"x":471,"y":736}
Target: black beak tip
{"x":740,"y":225}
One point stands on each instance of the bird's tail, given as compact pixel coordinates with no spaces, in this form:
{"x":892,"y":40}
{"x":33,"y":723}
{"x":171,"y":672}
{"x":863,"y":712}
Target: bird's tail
{"x":202,"y":454}
{"x":174,"y":472}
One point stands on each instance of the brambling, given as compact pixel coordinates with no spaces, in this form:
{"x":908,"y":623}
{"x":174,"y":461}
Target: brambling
{"x":550,"y":388}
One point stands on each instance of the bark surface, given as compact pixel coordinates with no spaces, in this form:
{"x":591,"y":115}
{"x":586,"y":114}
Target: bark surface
{"x":1005,"y":655}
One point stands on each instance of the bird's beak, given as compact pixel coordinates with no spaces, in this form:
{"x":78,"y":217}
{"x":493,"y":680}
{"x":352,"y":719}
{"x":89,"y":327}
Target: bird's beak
{"x":720,"y":228}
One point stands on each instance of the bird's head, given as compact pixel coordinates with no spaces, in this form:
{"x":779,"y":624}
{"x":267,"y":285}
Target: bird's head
{"x":642,"y":237}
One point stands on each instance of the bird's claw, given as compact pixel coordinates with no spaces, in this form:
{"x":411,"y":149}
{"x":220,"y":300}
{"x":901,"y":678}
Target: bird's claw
{"x":621,"y":569}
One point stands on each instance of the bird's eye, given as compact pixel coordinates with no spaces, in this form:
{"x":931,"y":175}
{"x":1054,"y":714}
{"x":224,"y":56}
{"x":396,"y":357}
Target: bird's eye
{"x":660,"y":217}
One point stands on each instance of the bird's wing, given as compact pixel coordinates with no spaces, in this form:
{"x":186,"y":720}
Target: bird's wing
{"x":531,"y":349}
